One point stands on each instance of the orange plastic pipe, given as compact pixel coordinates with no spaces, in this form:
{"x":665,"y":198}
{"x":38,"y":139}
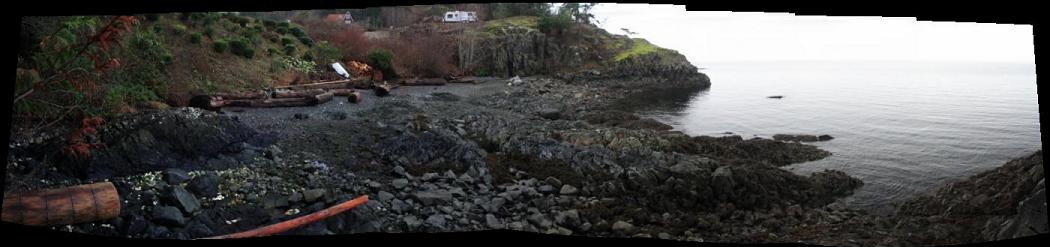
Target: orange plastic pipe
{"x":297,"y":222}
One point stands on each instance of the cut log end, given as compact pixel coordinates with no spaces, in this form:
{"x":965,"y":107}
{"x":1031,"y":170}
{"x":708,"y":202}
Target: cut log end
{"x":353,"y":97}
{"x":383,"y":90}
{"x":63,"y":206}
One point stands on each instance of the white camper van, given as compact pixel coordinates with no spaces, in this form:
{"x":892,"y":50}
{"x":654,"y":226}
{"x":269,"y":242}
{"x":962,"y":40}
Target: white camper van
{"x":460,"y":16}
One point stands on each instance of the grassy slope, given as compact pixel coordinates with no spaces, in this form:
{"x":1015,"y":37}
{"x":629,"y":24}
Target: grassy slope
{"x":197,"y":68}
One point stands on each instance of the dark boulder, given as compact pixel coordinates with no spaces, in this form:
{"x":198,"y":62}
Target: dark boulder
{"x":206,"y":185}
{"x":182,"y":199}
{"x":168,"y":216}
{"x":175,"y":176}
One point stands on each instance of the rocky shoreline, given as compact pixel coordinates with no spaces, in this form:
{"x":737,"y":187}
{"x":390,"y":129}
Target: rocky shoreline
{"x":548,"y":155}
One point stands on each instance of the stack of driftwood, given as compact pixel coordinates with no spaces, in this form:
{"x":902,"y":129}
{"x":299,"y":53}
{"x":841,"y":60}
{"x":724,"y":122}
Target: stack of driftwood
{"x":315,"y":93}
{"x":290,"y":96}
{"x":437,"y":81}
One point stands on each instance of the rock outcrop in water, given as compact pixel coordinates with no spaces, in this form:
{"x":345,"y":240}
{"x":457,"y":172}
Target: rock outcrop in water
{"x":1006,"y":202}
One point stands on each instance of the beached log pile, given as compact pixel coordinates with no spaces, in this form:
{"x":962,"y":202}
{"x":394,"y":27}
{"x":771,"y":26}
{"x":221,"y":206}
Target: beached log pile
{"x":315,"y":93}
{"x":285,"y":96}
{"x":437,"y":81}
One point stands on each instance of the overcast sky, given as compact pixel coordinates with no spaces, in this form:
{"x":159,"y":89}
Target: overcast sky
{"x":750,"y":36}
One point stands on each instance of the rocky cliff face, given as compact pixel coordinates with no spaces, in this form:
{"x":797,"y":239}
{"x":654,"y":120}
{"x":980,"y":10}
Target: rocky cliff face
{"x":522,"y":51}
{"x":587,"y":55}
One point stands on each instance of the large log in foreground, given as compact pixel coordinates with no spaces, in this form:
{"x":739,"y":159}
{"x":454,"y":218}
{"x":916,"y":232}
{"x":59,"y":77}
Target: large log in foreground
{"x":63,"y":206}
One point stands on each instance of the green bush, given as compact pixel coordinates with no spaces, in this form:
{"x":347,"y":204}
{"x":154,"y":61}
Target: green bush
{"x":269,"y":24}
{"x":178,"y":29}
{"x":287,"y":40}
{"x":282,"y":30}
{"x":147,"y":51}
{"x":482,"y":72}
{"x":309,"y":57}
{"x":289,"y":49}
{"x":126,"y":92}
{"x":157,"y":29}
{"x":383,"y":60}
{"x":554,"y":23}
{"x":272,"y":51}
{"x":241,"y":47}
{"x":254,"y":39}
{"x":166,"y":58}
{"x":220,"y":46}
{"x":272,"y":37}
{"x":326,"y":53}
{"x":307,"y":41}
{"x":284,"y":24}
{"x":210,"y":32}
{"x":195,"y":38}
{"x":243,"y":21}
{"x":298,"y":32}
{"x":196,"y":18}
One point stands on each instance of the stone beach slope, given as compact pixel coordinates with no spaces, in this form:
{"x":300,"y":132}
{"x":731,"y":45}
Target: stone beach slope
{"x":550,"y":154}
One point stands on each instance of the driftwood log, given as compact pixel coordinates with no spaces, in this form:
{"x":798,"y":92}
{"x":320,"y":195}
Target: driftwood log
{"x":424,"y":82}
{"x":207,"y":102}
{"x":63,"y":206}
{"x":320,"y":85}
{"x":457,"y":79}
{"x":242,"y":95}
{"x":341,"y":91}
{"x":353,"y":97}
{"x":283,"y":102}
{"x":297,"y":93}
{"x":382,"y":90}
{"x":323,"y":98}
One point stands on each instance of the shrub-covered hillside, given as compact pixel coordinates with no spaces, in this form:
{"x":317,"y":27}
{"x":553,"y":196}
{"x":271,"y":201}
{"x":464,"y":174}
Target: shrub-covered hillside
{"x":102,"y":65}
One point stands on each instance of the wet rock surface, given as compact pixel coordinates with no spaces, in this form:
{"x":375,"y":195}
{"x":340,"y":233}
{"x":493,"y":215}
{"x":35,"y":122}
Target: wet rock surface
{"x":543,"y":155}
{"x":802,"y":138}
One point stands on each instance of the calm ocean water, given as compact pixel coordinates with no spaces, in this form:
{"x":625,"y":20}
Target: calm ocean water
{"x":904,"y":128}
